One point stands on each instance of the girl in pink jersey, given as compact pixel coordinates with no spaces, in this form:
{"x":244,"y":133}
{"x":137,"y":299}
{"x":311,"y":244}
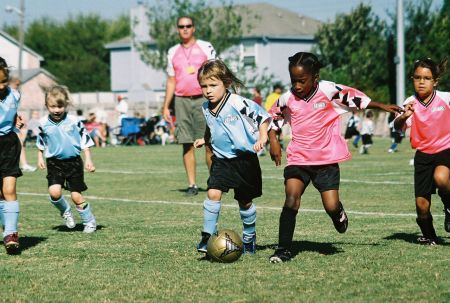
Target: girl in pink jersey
{"x":427,"y":113}
{"x":313,"y":110}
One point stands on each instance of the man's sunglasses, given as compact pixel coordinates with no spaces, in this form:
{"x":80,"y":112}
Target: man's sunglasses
{"x":184,"y":26}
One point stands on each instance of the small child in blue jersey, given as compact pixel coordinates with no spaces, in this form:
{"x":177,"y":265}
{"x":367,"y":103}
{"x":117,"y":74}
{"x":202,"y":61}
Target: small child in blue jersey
{"x":236,"y":130}
{"x":60,"y":142}
{"x":10,"y":148}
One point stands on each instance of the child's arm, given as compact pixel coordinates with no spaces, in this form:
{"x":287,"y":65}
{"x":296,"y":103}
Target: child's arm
{"x":391,"y":108}
{"x":261,"y":143}
{"x":275,"y":148}
{"x":88,"y":164}
{"x":200,"y":142}
{"x":41,"y":160}
{"x":400,"y":121}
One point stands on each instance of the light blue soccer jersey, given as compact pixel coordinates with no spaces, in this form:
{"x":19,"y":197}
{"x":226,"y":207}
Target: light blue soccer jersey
{"x":8,"y":112}
{"x":235,"y":126}
{"x":62,"y":139}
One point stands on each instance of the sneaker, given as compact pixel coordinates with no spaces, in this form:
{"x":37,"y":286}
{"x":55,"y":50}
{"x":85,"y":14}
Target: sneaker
{"x":250,"y":246}
{"x":68,"y":219}
{"x":281,"y":255}
{"x":202,"y":246}
{"x":426,"y":241}
{"x":341,"y":223}
{"x":447,"y":220}
{"x":192,"y":190}
{"x":28,"y":168}
{"x":12,"y":243}
{"x":390,"y":150}
{"x":355,"y":145}
{"x":90,"y":227}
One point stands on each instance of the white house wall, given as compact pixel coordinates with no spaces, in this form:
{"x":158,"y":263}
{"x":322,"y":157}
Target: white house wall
{"x":10,"y":52}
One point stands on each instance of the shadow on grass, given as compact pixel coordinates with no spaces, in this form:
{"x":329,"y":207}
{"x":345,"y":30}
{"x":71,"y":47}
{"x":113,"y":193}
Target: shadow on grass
{"x":184,"y":190}
{"x":412,"y":238}
{"x":28,"y":242}
{"x":79,"y":227}
{"x":303,"y":246}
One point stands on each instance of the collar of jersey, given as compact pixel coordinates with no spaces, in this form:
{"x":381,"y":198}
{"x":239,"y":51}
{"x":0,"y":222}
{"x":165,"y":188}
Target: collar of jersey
{"x":308,"y":97}
{"x":57,"y":122}
{"x":227,"y":96}
{"x":429,"y":102}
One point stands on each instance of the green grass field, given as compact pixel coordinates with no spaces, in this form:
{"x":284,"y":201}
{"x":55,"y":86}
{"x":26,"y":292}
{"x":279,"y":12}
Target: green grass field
{"x":144,"y":249}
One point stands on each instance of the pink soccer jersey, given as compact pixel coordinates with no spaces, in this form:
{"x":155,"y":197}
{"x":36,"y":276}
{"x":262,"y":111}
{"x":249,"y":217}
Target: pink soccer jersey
{"x":315,"y":123}
{"x":183,"y":63}
{"x":430,"y":123}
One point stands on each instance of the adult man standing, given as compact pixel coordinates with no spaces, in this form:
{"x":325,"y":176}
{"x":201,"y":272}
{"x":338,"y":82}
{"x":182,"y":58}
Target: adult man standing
{"x":183,"y":62}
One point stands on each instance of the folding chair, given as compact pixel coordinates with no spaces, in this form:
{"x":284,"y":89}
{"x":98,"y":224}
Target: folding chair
{"x":129,"y":131}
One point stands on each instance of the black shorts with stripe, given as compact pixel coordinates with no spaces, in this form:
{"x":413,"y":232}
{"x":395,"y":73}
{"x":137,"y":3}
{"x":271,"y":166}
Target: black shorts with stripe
{"x":243,"y":174}
{"x":67,"y":172}
{"x":424,"y":166}
{"x":324,"y":177}
{"x":10,"y":148}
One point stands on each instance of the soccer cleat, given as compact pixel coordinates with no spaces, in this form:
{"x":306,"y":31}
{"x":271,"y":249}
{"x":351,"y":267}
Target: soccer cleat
{"x":447,"y":220}
{"x":192,"y":190}
{"x":90,"y":227}
{"x":202,"y":246}
{"x":281,"y":255}
{"x":28,"y":168}
{"x":11,"y":243}
{"x":68,"y":219}
{"x":426,"y":241}
{"x":250,"y":246}
{"x":341,"y":222}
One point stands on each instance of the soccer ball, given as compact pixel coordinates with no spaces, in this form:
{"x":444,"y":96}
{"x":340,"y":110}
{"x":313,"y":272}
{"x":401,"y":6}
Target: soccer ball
{"x":225,"y":246}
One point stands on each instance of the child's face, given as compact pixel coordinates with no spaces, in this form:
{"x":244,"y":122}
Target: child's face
{"x":56,"y":110}
{"x":424,"y":83}
{"x":3,"y":85}
{"x":302,"y":81}
{"x":213,"y":89}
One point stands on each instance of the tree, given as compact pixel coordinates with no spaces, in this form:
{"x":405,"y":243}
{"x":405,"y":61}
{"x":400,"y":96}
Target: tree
{"x":353,"y":51}
{"x":220,"y":26}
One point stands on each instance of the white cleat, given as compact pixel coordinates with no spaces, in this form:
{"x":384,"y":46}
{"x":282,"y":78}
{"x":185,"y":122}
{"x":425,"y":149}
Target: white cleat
{"x":90,"y":227}
{"x":68,"y":219}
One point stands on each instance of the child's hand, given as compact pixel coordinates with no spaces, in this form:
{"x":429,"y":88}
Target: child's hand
{"x":261,"y":143}
{"x":19,"y":122}
{"x":392,"y":108}
{"x":275,"y":152}
{"x":89,"y":166}
{"x":199,"y":143}
{"x":41,"y":163}
{"x":409,"y":110}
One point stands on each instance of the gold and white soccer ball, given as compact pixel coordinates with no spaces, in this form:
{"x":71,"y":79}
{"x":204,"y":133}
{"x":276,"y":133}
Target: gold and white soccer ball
{"x":225,"y":246}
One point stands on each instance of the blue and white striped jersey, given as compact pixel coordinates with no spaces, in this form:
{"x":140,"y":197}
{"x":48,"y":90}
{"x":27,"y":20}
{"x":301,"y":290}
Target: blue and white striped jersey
{"x":8,"y":112}
{"x":235,"y":126}
{"x":62,"y":139}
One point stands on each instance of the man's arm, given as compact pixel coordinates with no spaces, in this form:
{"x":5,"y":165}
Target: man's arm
{"x":170,"y":91}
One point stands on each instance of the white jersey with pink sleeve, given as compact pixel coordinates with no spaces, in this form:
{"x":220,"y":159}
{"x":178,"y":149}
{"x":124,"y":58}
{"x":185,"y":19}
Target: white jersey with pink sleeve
{"x":315,"y":123}
{"x":430,"y":123}
{"x":183,"y":64}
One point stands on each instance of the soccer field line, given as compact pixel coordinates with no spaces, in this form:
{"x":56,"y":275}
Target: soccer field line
{"x":311,"y":210}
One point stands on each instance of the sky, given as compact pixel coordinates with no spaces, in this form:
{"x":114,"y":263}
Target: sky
{"x":323,"y":10}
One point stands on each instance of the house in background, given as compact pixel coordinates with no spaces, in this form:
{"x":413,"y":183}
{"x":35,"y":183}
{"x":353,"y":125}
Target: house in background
{"x":275,"y":34}
{"x":34,"y":78}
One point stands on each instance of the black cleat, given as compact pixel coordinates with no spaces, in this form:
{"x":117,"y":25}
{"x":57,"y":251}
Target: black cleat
{"x":341,"y":221}
{"x":426,"y":241}
{"x":447,"y":220}
{"x":202,"y":246}
{"x":12,"y":243}
{"x":281,"y":255}
{"x":192,"y":190}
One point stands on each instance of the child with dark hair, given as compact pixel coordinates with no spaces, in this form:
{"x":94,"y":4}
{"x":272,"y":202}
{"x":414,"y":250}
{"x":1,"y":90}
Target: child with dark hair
{"x":367,"y":129}
{"x":236,"y":130}
{"x":313,"y":110}
{"x":427,"y":113}
{"x":10,"y":148}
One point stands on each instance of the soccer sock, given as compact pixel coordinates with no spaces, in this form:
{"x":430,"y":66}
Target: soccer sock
{"x":426,"y":226}
{"x":10,"y":217}
{"x":248,"y":217}
{"x":2,"y":204}
{"x":287,"y":227}
{"x":61,"y":204}
{"x":445,"y":198}
{"x":393,"y":146}
{"x":211,"y":211}
{"x":86,"y":214}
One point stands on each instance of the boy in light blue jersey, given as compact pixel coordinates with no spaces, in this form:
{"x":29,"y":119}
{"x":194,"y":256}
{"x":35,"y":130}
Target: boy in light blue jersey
{"x":61,"y":139}
{"x":236,"y":130}
{"x":10,"y":148}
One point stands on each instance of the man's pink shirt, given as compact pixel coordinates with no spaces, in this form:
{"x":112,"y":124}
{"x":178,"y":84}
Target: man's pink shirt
{"x":315,"y":123}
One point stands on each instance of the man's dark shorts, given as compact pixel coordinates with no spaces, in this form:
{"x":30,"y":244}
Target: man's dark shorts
{"x":243,"y":174}
{"x":324,"y":177}
{"x":10,"y":148}
{"x":191,"y":123}
{"x":424,"y":166}
{"x":68,"y":173}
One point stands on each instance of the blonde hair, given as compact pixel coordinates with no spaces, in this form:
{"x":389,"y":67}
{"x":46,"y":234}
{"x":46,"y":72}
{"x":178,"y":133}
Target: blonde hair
{"x":216,"y":68}
{"x":58,"y":94}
